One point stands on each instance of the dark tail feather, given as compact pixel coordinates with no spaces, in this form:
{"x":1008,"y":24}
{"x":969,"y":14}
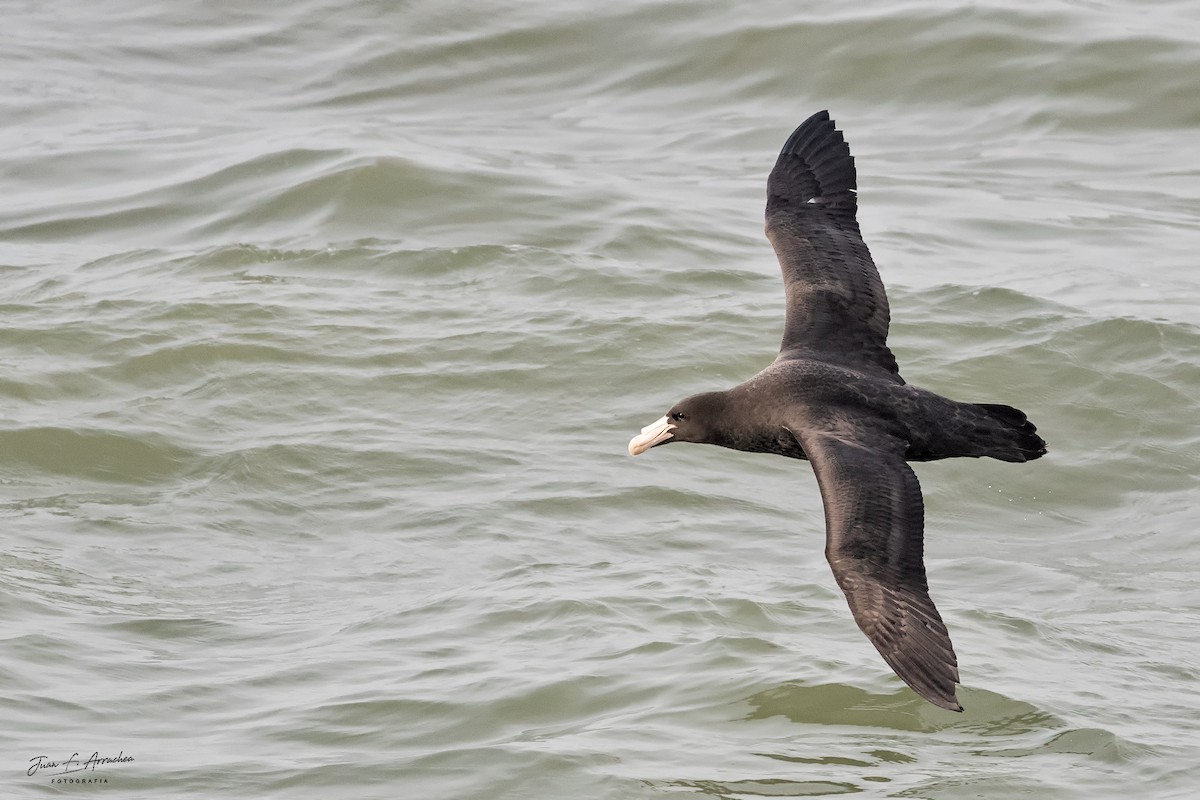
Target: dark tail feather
{"x":1016,"y":438}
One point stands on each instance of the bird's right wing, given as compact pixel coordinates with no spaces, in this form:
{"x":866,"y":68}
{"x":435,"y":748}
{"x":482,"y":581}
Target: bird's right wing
{"x":837,"y":309}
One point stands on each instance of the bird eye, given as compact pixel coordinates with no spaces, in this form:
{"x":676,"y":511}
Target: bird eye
{"x":677,"y":416}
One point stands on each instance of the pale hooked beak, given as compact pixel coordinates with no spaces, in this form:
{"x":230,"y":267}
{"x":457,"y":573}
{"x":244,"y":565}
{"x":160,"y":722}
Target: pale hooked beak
{"x":654,"y":433}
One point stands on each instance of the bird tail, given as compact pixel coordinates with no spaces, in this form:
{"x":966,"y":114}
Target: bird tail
{"x":1010,"y":436}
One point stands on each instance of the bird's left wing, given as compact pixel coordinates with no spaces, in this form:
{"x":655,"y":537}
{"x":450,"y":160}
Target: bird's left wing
{"x":874,"y":520}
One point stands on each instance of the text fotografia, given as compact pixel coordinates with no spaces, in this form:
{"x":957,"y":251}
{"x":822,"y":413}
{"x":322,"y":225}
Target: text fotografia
{"x":48,"y":766}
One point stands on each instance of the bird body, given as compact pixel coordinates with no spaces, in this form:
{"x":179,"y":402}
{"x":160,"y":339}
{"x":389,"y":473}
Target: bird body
{"x":834,"y":396}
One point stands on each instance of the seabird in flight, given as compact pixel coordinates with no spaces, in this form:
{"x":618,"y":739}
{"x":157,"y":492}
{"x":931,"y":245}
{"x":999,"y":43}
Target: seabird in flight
{"x":834,"y":397}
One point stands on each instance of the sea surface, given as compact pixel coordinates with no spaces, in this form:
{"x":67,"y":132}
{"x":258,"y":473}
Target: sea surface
{"x":325,"y":327}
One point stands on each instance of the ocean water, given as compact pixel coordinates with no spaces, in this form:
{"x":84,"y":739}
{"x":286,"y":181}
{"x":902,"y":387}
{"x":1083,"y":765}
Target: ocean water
{"x":326,"y":326}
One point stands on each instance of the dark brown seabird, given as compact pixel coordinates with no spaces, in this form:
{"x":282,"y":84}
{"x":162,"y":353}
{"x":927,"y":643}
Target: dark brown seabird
{"x":834,"y":396}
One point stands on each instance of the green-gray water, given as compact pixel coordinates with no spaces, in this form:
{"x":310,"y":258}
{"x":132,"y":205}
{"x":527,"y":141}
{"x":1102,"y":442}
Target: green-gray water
{"x":326,"y":325}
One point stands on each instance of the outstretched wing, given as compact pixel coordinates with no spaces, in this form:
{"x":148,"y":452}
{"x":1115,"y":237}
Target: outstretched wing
{"x":874,"y":522}
{"x":837,"y":310}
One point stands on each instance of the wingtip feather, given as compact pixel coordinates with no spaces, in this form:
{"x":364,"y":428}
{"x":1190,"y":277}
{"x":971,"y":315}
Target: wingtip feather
{"x":814,"y":165}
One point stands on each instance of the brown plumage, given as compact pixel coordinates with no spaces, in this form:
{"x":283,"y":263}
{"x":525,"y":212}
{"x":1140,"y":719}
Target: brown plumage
{"x":834,"y":396}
